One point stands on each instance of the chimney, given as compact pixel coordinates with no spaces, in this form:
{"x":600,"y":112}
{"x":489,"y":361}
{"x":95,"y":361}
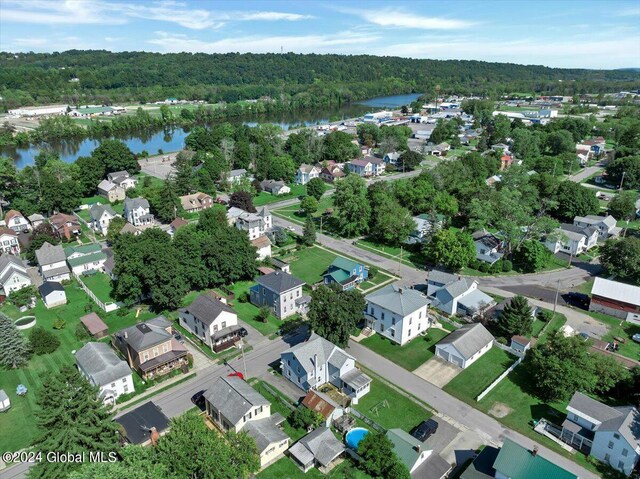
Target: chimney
{"x":534,"y":452}
{"x":400,"y":290}
{"x":154,"y":436}
{"x":417,"y":448}
{"x":126,"y":335}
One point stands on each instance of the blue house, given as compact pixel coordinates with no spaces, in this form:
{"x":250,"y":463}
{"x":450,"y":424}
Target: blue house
{"x":345,"y":272}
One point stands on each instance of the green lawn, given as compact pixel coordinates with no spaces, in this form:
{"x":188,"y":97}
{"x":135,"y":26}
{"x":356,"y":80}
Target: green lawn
{"x":475,"y":379}
{"x":247,"y":311}
{"x":18,"y":424}
{"x":619,"y":328}
{"x":409,"y":356}
{"x":310,"y":264}
{"x":551,"y":327}
{"x":285,"y":469}
{"x":585,"y":288}
{"x":291,"y":212}
{"x":100,"y":285}
{"x":265,"y":198}
{"x":403,"y":413}
{"x":410,"y":258}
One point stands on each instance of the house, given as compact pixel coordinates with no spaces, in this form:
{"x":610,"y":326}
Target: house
{"x":323,"y":405}
{"x":331,"y":173}
{"x":137,"y":211}
{"x":52,"y":262}
{"x":425,"y":224}
{"x":275,"y":187}
{"x":410,"y":452}
{"x":36,"y":220}
{"x":438,"y":279}
{"x":501,"y":147}
{"x":609,"y":434}
{"x":492,"y":180}
{"x":488,"y":247}
{"x":461,"y":297}
{"x":129,"y":228}
{"x":52,"y":294}
{"x":9,"y":243}
{"x":212,"y":322}
{"x":5,"y":402}
{"x":111,"y":191}
{"x":440,"y":149}
{"x":13,"y":274}
{"x":232,"y":404}
{"x":517,"y":462}
{"x":15,"y":221}
{"x":614,"y":298}
{"x":101,"y":216}
{"x":606,"y":225}
{"x":281,"y":265}
{"x":102,"y":368}
{"x":236,"y":176}
{"x":465,"y":345}
{"x":255,"y":224}
{"x":110,"y":263}
{"x":318,"y":449}
{"x":397,"y":313}
{"x":280,"y":292}
{"x":263,"y":247}
{"x":378,"y":166}
{"x":86,"y":257}
{"x":176,"y":224}
{"x":317,"y":361}
{"x":144,"y":425}
{"x":233,"y":214}
{"x":65,"y":226}
{"x":122,"y":179}
{"x":361,"y":167}
{"x":306,"y":173}
{"x":346,"y":272}
{"x":196,"y":202}
{"x":572,"y":239}
{"x":150,"y":348}
{"x":95,"y":326}
{"x":392,"y":157}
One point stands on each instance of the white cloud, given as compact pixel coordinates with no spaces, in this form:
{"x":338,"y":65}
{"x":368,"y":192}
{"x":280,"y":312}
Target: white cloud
{"x":272,"y":16}
{"x":396,"y":18}
{"x":68,"y":12}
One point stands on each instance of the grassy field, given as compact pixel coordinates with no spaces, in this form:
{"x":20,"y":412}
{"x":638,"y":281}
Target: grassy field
{"x":310,"y":263}
{"x":291,"y":212}
{"x":403,"y":413}
{"x":285,"y":469}
{"x":265,"y":198}
{"x":409,"y":356}
{"x":475,"y":379}
{"x":247,"y":311}
{"x":619,"y":328}
{"x":100,"y":285}
{"x":410,"y":258}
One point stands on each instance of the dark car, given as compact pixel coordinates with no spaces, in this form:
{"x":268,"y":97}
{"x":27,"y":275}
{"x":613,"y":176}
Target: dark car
{"x":425,"y":429}
{"x":243,"y":332}
{"x":578,"y":300}
{"x":198,"y":398}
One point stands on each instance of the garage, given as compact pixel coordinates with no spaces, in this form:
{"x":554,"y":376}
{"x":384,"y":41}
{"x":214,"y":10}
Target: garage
{"x":465,"y":345}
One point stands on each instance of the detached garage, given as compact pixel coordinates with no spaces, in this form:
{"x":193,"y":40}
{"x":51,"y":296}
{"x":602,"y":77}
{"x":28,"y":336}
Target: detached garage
{"x":466,"y":345}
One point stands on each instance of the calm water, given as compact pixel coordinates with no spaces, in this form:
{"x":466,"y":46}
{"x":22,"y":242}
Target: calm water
{"x":173,"y":139}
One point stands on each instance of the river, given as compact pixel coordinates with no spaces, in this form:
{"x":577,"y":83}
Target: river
{"x":172,"y":139}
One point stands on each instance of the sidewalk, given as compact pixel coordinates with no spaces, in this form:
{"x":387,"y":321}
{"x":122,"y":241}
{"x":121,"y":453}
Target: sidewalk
{"x":152,"y":390}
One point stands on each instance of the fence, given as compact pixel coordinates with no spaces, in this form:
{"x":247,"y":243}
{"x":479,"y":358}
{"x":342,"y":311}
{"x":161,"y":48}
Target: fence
{"x":106,"y":307}
{"x":278,"y":396}
{"x":366,"y":419}
{"x":508,"y":349}
{"x":500,"y":378}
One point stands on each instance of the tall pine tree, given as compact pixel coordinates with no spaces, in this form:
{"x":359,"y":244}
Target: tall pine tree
{"x":309,"y":231}
{"x":71,"y":419}
{"x":516,"y":318}
{"x":14,"y":348}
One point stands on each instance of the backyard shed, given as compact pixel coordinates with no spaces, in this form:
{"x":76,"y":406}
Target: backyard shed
{"x":96,"y":327}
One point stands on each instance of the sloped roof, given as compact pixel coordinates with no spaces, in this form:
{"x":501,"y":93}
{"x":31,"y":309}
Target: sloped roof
{"x":133,"y":203}
{"x":138,"y":423}
{"x":475,"y":300}
{"x":49,"y":287}
{"x":48,"y":254}
{"x":345,"y":264}
{"x":608,"y":220}
{"x":97,"y":211}
{"x":442,"y":277}
{"x":207,"y":309}
{"x":11,"y":264}
{"x":625,"y":293}
{"x":325,"y":350}
{"x":93,"y":323}
{"x":7,"y":231}
{"x":178,"y":223}
{"x":106,"y":185}
{"x":11,"y":214}
{"x":101,"y":364}
{"x":234,"y":397}
{"x":147,"y":334}
{"x":87,"y":258}
{"x":84,"y":249}
{"x":261,"y":242}
{"x":404,"y":446}
{"x":279,"y":281}
{"x":518,"y":462}
{"x":469,"y":339}
{"x":321,"y":444}
{"x":265,"y":432}
{"x":320,"y":403}
{"x":399,"y":300}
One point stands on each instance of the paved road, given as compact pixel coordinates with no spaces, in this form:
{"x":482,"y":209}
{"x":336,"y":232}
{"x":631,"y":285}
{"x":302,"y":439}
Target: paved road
{"x":463,"y":414}
{"x":586,"y":173}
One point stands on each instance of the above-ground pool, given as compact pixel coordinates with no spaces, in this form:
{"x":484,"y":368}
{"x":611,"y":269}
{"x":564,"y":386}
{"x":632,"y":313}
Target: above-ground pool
{"x":354,"y":436}
{"x":25,"y":322}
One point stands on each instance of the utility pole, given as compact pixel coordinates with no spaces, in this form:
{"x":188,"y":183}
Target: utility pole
{"x":555,"y":302}
{"x":622,"y":179}
{"x":244,"y":363}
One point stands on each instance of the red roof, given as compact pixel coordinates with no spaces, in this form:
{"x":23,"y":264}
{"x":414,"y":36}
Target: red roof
{"x":94,"y":324}
{"x":7,"y":231}
{"x":11,"y":214}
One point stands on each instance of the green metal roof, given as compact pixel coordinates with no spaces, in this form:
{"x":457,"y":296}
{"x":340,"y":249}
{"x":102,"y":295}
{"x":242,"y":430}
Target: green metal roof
{"x":344,"y":264}
{"x":339,"y":275}
{"x":518,"y":462}
{"x":83,"y":249}
{"x":404,"y":445}
{"x":89,"y":258}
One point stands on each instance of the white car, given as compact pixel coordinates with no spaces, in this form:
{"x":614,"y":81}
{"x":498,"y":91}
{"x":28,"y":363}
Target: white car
{"x":636,"y":337}
{"x":291,"y":228}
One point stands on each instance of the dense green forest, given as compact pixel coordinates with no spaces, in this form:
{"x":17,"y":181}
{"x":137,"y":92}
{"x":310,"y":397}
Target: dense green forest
{"x":299,"y":80}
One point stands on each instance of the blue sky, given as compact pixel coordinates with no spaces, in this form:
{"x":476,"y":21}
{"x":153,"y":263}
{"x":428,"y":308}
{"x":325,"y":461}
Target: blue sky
{"x":583,"y":34}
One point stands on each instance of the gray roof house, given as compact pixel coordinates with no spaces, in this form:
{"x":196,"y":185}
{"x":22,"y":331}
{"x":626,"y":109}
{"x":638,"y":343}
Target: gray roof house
{"x":53,"y":262}
{"x":610,"y":434}
{"x":281,"y":292}
{"x":606,"y":225}
{"x":488,"y":247}
{"x":101,"y":216}
{"x":99,"y":364}
{"x":137,"y":211}
{"x":398,"y":313}
{"x":465,"y":345}
{"x":13,"y":274}
{"x":212,"y":321}
{"x":317,"y":361}
{"x":457,"y":296}
{"x":318,"y":448}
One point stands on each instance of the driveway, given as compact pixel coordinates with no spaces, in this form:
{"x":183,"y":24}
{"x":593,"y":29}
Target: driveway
{"x":438,"y":371}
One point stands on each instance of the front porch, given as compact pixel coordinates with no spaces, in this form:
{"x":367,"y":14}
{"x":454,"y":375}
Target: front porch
{"x":163,"y":364}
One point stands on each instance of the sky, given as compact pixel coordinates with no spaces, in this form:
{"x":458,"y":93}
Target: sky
{"x":572,"y":34}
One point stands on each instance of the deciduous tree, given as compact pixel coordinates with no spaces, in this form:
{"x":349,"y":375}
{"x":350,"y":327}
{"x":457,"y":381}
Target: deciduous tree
{"x":450,"y":248}
{"x":621,"y":258}
{"x":334,"y":313}
{"x":354,"y":210}
{"x":316,"y":188}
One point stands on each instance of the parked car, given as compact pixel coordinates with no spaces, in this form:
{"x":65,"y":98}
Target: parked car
{"x":243,"y":332}
{"x":198,"y":397}
{"x":425,"y":429}
{"x":578,"y":300}
{"x":636,"y":337}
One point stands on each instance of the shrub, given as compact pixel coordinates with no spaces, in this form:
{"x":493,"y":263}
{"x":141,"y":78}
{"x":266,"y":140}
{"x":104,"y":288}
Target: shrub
{"x":23,"y":296}
{"x":502,"y":340}
{"x":475,"y":264}
{"x":373,"y":272}
{"x":496,"y":267}
{"x":81,"y":332}
{"x":43,"y":341}
{"x":506,"y":265}
{"x":545,"y":316}
{"x":484,"y":267}
{"x":59,"y":323}
{"x":263,"y":314}
{"x":304,"y":418}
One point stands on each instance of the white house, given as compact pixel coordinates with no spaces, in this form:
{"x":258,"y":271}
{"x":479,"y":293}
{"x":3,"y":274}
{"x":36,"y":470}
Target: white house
{"x":212,"y":322}
{"x":9,"y":243}
{"x":255,"y":224}
{"x":606,"y":225}
{"x":610,"y":434}
{"x":317,"y":361}
{"x":263,"y":247}
{"x":100,"y":365}
{"x":36,"y":220}
{"x":460,"y":296}
{"x":13,"y":274}
{"x":137,"y":211}
{"x":398,"y":313}
{"x":306,"y":173}
{"x":122,"y":179}
{"x":488,"y":247}
{"x":572,"y":239}
{"x":5,"y":402}
{"x":18,"y":223}
{"x":466,"y":345}
{"x":101,"y":216}
{"x":52,"y":262}
{"x":86,"y":257}
{"x":361,"y":167}
{"x":236,"y":176}
{"x":391,"y":157}
{"x":52,"y":294}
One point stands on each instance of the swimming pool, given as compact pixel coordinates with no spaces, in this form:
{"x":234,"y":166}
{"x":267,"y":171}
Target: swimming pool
{"x":354,"y":436}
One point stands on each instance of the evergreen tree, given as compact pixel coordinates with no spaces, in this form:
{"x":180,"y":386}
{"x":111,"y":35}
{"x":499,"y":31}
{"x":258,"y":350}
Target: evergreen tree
{"x":309,"y":231}
{"x":184,"y":177}
{"x":166,"y":204}
{"x":14,"y":349}
{"x":516,"y":318}
{"x":71,"y":419}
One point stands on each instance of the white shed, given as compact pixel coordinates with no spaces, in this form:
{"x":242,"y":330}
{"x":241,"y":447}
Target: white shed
{"x":5,"y":403}
{"x":52,"y":294}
